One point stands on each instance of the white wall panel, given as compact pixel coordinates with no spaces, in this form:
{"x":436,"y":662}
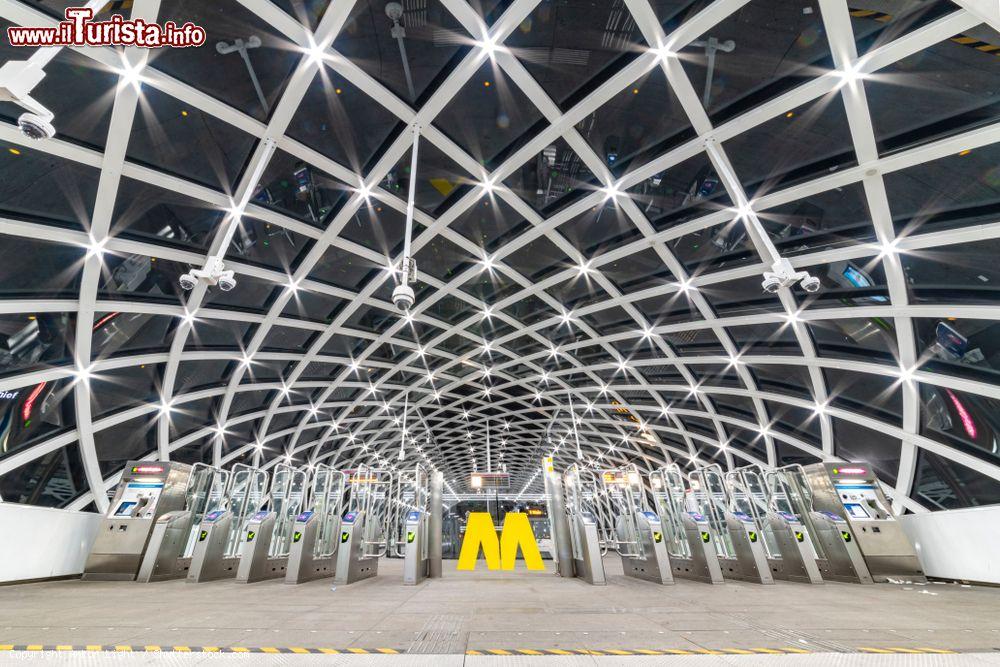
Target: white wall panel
{"x":958,"y":544}
{"x":39,"y":542}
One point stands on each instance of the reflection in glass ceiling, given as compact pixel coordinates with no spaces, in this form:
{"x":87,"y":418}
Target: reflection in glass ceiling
{"x":599,"y":188}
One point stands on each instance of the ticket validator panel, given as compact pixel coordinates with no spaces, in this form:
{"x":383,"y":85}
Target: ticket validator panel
{"x":147,"y":490}
{"x":852,"y":491}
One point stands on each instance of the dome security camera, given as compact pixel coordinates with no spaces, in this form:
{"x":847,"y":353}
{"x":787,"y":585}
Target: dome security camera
{"x":227,"y":281}
{"x":188,"y":282}
{"x":810,"y":284}
{"x":17,"y":79}
{"x":403,"y":297}
{"x":35,"y":127}
{"x":771,"y":284}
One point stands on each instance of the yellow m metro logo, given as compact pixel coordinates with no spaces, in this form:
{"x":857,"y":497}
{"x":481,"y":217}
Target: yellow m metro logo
{"x":500,"y":553}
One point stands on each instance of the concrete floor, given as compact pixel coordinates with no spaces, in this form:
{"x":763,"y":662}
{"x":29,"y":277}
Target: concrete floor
{"x":483,"y":611}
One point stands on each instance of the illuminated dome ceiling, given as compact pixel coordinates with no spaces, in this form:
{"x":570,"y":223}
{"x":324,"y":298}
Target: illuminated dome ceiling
{"x":600,"y":187}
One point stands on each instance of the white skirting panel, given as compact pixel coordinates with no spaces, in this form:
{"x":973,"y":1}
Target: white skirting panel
{"x":958,"y":544}
{"x":38,"y":542}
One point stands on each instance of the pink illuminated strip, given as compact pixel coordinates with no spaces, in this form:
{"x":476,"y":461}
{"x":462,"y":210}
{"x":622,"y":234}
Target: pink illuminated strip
{"x":963,"y":414}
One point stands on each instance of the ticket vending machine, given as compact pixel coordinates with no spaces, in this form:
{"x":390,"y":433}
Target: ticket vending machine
{"x":852,"y":492}
{"x":147,"y":490}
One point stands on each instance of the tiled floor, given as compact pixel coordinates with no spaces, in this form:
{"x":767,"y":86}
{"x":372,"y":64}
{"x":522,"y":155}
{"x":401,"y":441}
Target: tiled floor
{"x":482,"y":610}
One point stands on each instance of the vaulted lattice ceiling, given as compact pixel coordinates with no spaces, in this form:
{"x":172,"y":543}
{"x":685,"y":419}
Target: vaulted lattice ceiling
{"x":583,"y":190}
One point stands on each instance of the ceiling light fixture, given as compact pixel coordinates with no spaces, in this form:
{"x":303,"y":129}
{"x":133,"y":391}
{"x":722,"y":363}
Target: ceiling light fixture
{"x":663,"y":52}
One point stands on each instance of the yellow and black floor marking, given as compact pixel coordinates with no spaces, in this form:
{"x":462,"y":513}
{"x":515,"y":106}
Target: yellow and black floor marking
{"x":786,"y":650}
{"x":127,"y":648}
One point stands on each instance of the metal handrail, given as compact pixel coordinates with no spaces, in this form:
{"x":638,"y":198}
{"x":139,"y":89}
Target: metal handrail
{"x":668,"y":489}
{"x":421,"y":501}
{"x":246,"y":496}
{"x":584,"y":491}
{"x":205,"y":492}
{"x":286,"y":496}
{"x":630,"y":498}
{"x":708,"y":489}
{"x":748,"y":494}
{"x":328,"y":489}
{"x":371,"y":492}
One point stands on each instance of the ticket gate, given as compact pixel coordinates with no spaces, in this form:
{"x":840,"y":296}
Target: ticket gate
{"x":852,"y":492}
{"x":147,"y":491}
{"x":582,"y":489}
{"x":413,"y":505}
{"x":828,"y":535}
{"x":790,"y":555}
{"x":269,"y":532}
{"x":638,"y":532}
{"x":171,"y":545}
{"x":220,"y":536}
{"x":316,"y":531}
{"x":690,"y":544}
{"x":736,"y":536}
{"x":365,"y":525}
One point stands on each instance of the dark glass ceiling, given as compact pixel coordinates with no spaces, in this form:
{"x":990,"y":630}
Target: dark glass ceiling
{"x":599,"y":187}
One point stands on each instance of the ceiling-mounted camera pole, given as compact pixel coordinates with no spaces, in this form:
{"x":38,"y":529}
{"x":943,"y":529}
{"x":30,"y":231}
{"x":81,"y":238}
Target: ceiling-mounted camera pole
{"x":572,"y":421}
{"x":402,"y":436}
{"x":214,"y":272}
{"x":394,"y":11}
{"x":403,"y":295}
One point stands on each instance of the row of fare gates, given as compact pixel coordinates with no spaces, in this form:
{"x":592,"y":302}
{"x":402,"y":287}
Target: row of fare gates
{"x":801,"y":524}
{"x":201,"y":523}
{"x":828,"y":521}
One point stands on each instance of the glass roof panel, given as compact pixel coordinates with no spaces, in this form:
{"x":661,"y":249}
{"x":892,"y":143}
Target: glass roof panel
{"x":763,"y":49}
{"x":40,"y":186}
{"x":431,"y":39}
{"x":490,"y":116}
{"x":221,"y":70}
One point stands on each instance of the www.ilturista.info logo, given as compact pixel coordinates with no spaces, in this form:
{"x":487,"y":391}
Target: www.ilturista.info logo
{"x":79,"y":29}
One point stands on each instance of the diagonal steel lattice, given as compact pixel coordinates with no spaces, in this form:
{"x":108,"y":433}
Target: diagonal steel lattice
{"x":527,"y":417}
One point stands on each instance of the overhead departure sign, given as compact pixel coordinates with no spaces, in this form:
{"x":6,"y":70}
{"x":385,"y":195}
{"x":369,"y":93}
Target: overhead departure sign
{"x":490,"y":480}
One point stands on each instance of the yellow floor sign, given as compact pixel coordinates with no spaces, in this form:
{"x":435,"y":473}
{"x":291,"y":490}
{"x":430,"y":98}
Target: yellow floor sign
{"x":500,"y":553}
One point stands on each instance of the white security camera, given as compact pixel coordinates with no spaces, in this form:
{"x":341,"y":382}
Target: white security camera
{"x":214,"y":273}
{"x":810,"y":284}
{"x":783,"y":275}
{"x":17,"y":79}
{"x":403,"y":297}
{"x":36,"y":127}
{"x":227,"y":281}
{"x":771,"y":284}
{"x":188,"y":282}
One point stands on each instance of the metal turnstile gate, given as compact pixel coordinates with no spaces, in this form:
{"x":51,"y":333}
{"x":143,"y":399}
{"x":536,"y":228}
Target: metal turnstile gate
{"x":836,"y":551}
{"x":219,"y":541}
{"x":737,"y":539}
{"x":268,"y":533}
{"x":316,"y":531}
{"x":638,"y":532}
{"x":412,"y":506}
{"x":790,"y":555}
{"x":583,"y":490}
{"x":365,"y":526}
{"x":689,"y":536}
{"x":175,"y":534}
